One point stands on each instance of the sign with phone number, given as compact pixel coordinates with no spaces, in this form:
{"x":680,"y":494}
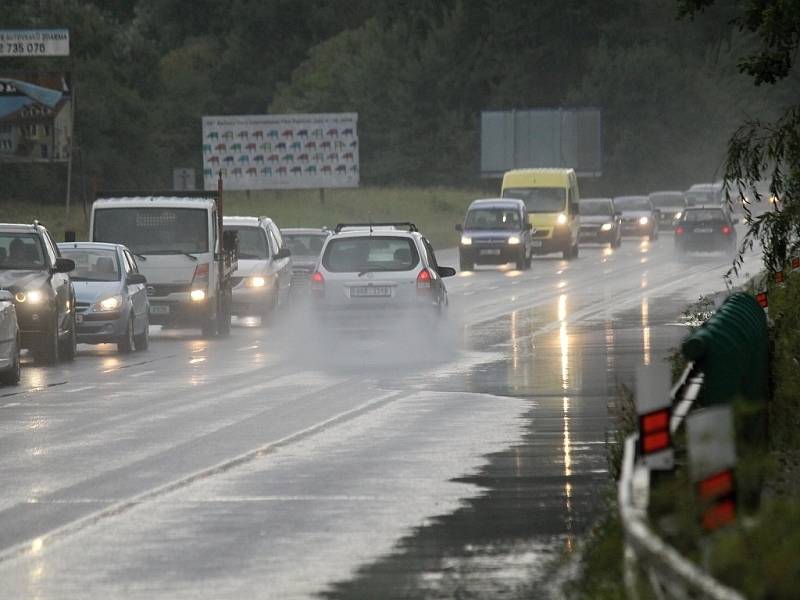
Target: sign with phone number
{"x":34,"y":42}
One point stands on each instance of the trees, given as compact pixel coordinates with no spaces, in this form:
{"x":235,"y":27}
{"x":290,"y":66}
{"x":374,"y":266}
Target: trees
{"x":766,"y":149}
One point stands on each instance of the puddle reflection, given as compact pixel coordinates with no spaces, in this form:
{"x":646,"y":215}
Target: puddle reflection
{"x":646,"y":331}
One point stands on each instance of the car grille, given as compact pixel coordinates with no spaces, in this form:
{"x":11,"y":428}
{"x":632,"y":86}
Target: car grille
{"x":82,"y":307}
{"x":541,"y":233}
{"x":490,"y":241}
{"x":164,"y":289}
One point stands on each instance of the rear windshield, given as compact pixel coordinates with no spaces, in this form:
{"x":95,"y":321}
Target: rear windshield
{"x":592,"y":209}
{"x":699,"y":216}
{"x":21,"y":251}
{"x":361,"y":254}
{"x":93,"y":264}
{"x":539,"y":200}
{"x":304,"y":244}
{"x":494,"y":218}
{"x":153,"y":230}
{"x":667,"y":200}
{"x":700,"y":197}
{"x":632,"y":203}
{"x":252,"y":242}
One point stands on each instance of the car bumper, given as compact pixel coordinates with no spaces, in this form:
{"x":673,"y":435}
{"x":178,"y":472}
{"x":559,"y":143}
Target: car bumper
{"x":637,"y":228}
{"x":99,"y":328}
{"x":491,"y":254}
{"x":179,"y":311}
{"x":709,"y":244}
{"x":596,"y":235}
{"x":551,"y":240}
{"x":251,"y":301}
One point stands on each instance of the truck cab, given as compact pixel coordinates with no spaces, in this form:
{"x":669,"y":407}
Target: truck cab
{"x":180,"y":247}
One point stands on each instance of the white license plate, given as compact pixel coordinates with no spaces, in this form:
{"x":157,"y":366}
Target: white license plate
{"x":536,"y":243}
{"x":371,"y":291}
{"x":156,"y":309}
{"x":79,"y":318}
{"x":704,"y":230}
{"x":490,"y":252}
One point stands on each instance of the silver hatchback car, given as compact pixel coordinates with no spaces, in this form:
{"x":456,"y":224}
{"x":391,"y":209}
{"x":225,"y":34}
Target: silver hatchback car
{"x":372,"y":278}
{"x":111,"y":304}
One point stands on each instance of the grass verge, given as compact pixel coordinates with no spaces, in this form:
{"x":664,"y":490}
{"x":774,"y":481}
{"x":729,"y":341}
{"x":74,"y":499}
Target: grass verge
{"x":434,"y":210}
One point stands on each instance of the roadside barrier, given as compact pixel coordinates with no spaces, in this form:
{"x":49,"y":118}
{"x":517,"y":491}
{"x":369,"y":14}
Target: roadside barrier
{"x":728,"y":360}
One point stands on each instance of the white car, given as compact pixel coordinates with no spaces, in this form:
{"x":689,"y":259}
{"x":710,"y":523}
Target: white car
{"x":262,"y":282}
{"x":370,"y":277}
{"x":9,"y":340}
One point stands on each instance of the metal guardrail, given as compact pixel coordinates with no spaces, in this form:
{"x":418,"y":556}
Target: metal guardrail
{"x":648,"y":558}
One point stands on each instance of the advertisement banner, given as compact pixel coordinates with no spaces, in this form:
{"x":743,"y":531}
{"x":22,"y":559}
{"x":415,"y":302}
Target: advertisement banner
{"x":35,"y":116}
{"x":262,"y":152}
{"x":34,"y":42}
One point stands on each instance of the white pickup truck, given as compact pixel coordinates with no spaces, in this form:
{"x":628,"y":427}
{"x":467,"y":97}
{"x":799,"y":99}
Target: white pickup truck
{"x":180,"y":247}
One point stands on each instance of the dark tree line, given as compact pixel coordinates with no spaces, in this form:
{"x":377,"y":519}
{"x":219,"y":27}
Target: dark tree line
{"x":418,"y":72}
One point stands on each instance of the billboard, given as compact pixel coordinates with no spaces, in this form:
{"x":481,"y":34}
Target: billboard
{"x":34,"y":42}
{"x":35,"y":117}
{"x":261,"y":152}
{"x":536,"y":138}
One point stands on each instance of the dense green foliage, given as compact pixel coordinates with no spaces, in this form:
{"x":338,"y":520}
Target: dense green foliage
{"x":418,"y":72}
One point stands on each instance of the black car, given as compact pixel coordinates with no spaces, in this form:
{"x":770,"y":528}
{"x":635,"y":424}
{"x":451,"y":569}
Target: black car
{"x":639,"y":216}
{"x":600,"y":222}
{"x":705,"y":229}
{"x":32,"y":268}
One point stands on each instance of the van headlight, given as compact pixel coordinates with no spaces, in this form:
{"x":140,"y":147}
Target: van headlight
{"x":466,"y":240}
{"x":514,"y":240}
{"x":198,"y":295}
{"x":258,"y":281}
{"x":31,"y":297}
{"x":108,"y":304}
{"x":561,"y":219}
{"x":678,"y":215}
{"x":643,"y":220}
{"x":606,"y":227}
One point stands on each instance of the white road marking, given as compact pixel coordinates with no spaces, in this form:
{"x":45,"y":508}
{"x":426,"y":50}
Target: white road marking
{"x":80,"y":389}
{"x":11,"y":405}
{"x":143,"y":373}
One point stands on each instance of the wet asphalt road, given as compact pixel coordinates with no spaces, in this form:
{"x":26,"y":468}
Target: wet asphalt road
{"x":267,"y":465}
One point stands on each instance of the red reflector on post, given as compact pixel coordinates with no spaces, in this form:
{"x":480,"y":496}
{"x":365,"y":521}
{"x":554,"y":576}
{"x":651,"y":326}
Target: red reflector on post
{"x":655,"y":421}
{"x":719,"y":515}
{"x":762,"y":300}
{"x":653,"y":442}
{"x":779,"y":277}
{"x":795,"y":262}
{"x":715,"y":486}
{"x":680,"y":231}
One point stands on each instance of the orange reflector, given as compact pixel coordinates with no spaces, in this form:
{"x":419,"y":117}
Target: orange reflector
{"x":779,"y":277}
{"x":762,"y":300}
{"x":655,"y":421}
{"x":716,"y":485}
{"x":719,"y":515}
{"x":653,"y":442}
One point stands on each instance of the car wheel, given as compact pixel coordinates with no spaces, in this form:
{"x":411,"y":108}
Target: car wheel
{"x":653,"y":235}
{"x":69,"y":347}
{"x":224,"y":317}
{"x":11,"y":375}
{"x":268,"y":311}
{"x":142,"y":341}
{"x":519,"y":263}
{"x":466,"y":265}
{"x":567,"y":254}
{"x":46,"y":351}
{"x":126,"y":343}
{"x":576,"y":250}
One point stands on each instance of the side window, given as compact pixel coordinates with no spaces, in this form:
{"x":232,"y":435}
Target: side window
{"x":126,"y":264}
{"x":50,"y":248}
{"x":132,"y":261}
{"x":273,"y":243}
{"x":431,"y":256}
{"x":277,"y":233}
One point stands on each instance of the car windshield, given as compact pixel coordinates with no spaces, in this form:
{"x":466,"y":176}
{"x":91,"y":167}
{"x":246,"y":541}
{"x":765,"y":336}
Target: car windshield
{"x":539,"y":199}
{"x":598,"y":208}
{"x":667,"y":200}
{"x":700,"y":216}
{"x":252,"y":242}
{"x":494,"y":218}
{"x":632,"y":203}
{"x":364,"y":254}
{"x":305,"y":244}
{"x":21,"y":251}
{"x":92,"y":264}
{"x":148,"y":230}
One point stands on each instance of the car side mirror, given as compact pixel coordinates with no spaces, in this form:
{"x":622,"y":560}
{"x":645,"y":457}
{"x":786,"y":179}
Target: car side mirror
{"x":6,"y":296}
{"x":459,"y":227}
{"x":446,"y":271}
{"x":70,"y":236}
{"x":230,"y":241}
{"x":135,"y":279}
{"x":283,"y":253}
{"x":64,"y":265}
{"x":529,"y":226}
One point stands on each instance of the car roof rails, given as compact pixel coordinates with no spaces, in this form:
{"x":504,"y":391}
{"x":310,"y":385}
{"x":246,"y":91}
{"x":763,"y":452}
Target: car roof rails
{"x":404,"y":224}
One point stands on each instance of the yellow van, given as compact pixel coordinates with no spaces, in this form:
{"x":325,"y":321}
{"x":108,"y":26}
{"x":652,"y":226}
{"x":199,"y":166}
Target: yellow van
{"x":551,"y":196}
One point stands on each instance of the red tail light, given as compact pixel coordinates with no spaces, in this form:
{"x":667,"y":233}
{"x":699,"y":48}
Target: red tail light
{"x":317,"y":284}
{"x":201,"y":272}
{"x":679,"y":231}
{"x":424,"y":280}
{"x":726,"y":230}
